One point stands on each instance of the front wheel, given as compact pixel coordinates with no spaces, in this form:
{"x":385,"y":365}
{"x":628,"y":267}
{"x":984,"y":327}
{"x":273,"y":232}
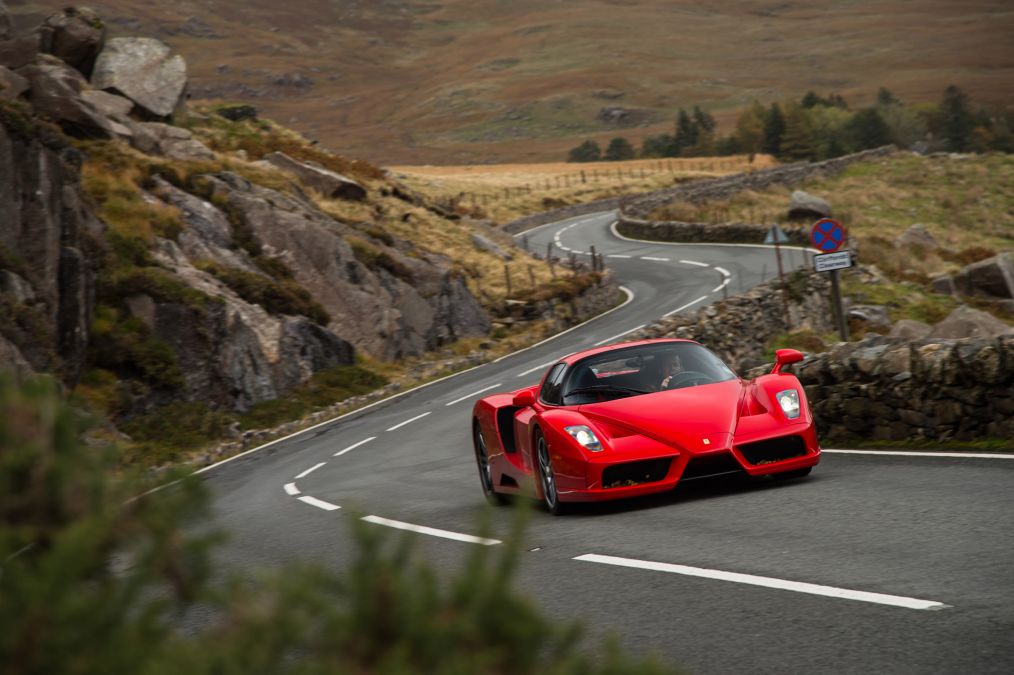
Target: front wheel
{"x":485,"y":471}
{"x":547,"y":479}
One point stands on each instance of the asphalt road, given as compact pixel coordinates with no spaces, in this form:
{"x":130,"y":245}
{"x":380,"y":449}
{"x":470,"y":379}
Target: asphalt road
{"x":875,"y":563}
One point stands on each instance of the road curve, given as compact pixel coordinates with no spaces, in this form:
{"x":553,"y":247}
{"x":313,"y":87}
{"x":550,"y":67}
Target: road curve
{"x":874,"y":563}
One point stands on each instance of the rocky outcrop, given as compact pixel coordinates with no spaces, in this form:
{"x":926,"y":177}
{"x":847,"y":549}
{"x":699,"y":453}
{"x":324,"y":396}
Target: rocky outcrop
{"x":143,"y":70}
{"x":12,"y":85}
{"x":896,"y":389}
{"x":75,"y":36}
{"x":45,"y":248}
{"x":387,"y":303}
{"x":56,"y":92}
{"x":993,"y":277}
{"x":966,"y":322}
{"x":173,"y":142}
{"x":327,"y":182}
{"x":804,"y":206}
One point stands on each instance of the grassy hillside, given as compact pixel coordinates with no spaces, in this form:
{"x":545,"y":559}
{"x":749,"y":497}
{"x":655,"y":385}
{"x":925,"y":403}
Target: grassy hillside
{"x":466,"y":81}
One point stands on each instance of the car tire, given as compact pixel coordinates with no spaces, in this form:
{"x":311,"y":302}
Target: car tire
{"x":547,"y":479}
{"x":485,"y":472}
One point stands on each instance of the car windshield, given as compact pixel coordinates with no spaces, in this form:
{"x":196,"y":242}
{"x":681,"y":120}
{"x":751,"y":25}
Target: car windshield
{"x":644,"y":369}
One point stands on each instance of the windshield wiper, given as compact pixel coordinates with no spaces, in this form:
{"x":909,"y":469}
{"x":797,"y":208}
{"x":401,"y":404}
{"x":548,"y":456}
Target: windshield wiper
{"x":608,"y":387}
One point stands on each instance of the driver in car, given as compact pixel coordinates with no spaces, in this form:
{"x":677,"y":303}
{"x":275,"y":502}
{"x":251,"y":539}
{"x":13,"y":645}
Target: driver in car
{"x":670,"y":365}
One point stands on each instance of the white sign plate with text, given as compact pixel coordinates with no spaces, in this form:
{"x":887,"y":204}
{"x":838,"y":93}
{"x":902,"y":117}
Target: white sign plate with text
{"x":838,"y":260}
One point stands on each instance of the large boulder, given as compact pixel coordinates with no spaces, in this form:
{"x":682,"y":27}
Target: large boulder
{"x":917,"y":236}
{"x":943,"y":283}
{"x":875,"y":316}
{"x":966,"y":322}
{"x":56,"y":92}
{"x":991,"y":277}
{"x":75,"y":36}
{"x":175,"y":143}
{"x":324,"y":181}
{"x":12,"y":85}
{"x":143,"y":70}
{"x":910,"y":329}
{"x":804,"y":206}
{"x":16,"y":52}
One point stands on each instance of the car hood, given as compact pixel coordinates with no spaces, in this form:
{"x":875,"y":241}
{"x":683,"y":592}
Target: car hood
{"x":682,"y":417}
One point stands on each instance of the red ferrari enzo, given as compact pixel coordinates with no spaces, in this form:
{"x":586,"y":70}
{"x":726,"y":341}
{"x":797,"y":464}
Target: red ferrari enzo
{"x":637,"y":418}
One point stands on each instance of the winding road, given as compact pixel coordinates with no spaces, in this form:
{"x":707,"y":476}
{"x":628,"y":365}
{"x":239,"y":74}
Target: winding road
{"x":882,"y":562}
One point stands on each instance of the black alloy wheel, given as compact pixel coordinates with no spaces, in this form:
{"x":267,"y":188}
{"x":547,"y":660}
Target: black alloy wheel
{"x":485,"y":471}
{"x":547,"y":479}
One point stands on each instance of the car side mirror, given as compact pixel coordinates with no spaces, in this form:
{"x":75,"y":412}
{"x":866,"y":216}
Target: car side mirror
{"x":523,"y":399}
{"x":784,"y":357}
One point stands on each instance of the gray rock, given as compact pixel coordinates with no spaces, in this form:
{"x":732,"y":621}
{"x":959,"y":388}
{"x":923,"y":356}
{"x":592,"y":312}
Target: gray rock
{"x":910,"y":329}
{"x":143,"y":70}
{"x":15,"y":287}
{"x":612,"y":114}
{"x":943,"y":283}
{"x":804,"y":206}
{"x":324,"y":181}
{"x":12,"y":360}
{"x":18,"y":52}
{"x":108,"y":104}
{"x":75,"y":36}
{"x":486,"y":244}
{"x":190,"y":150}
{"x":56,"y":93}
{"x":12,"y":85}
{"x":966,"y":322}
{"x":171,"y":141}
{"x":6,"y":25}
{"x":991,"y":277}
{"x":917,"y":236}
{"x":876,"y":316}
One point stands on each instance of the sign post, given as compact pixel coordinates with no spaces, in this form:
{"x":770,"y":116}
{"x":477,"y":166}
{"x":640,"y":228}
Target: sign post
{"x":828,"y":236}
{"x":778,"y":237}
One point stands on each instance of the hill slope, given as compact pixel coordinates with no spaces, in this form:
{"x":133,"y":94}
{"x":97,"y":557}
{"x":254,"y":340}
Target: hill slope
{"x":460,"y":81}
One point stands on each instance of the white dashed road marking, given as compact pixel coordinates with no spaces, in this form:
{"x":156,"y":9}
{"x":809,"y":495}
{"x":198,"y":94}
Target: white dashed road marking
{"x":399,"y":425}
{"x":610,"y":339}
{"x":431,"y":531}
{"x":689,"y":304}
{"x":619,"y":255}
{"x":474,"y":393}
{"x":724,"y":272}
{"x":354,"y":446}
{"x":310,"y":470}
{"x":319,"y":503}
{"x":767,"y":582}
{"x":648,"y":257}
{"x":291,"y":489}
{"x":694,"y":262}
{"x":538,"y":367}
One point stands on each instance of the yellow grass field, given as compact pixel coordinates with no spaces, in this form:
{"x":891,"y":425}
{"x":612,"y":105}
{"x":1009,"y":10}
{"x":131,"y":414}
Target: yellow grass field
{"x":503,"y":192}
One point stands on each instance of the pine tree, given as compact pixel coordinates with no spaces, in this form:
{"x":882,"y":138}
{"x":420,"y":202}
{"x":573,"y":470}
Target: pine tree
{"x":686,"y":132}
{"x":589,"y":151}
{"x":957,"y":122}
{"x":774,"y":129}
{"x":867,"y":129}
{"x":618,"y":150}
{"x":885,"y":97}
{"x":663,"y":145}
{"x":798,"y":141}
{"x":750,"y":129}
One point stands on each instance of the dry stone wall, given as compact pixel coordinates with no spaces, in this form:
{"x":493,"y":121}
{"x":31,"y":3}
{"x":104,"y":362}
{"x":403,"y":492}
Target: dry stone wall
{"x":731,"y":233}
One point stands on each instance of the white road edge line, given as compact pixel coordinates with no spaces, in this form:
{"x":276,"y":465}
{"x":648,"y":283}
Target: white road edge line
{"x":689,"y":304}
{"x":767,"y":582}
{"x":431,"y":531}
{"x":399,"y":425}
{"x":291,"y":489}
{"x":310,"y":470}
{"x":538,"y":367}
{"x":724,"y":272}
{"x":610,"y":339}
{"x":720,"y":286}
{"x":354,"y":446}
{"x":630,"y":298}
{"x":694,"y":262}
{"x":648,"y":257}
{"x":619,"y":255}
{"x":474,"y":393}
{"x":906,"y":453}
{"x":319,"y":503}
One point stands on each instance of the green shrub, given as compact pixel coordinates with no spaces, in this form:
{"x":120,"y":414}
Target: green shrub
{"x":97,"y":580}
{"x":278,"y":296}
{"x":179,"y":426}
{"x":126,"y":346}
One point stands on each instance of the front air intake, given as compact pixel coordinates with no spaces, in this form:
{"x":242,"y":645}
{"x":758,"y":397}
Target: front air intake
{"x":711,"y":465}
{"x":773,"y":449}
{"x":635,"y":473}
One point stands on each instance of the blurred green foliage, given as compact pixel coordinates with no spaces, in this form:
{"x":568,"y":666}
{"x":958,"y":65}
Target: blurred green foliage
{"x":96,"y":574}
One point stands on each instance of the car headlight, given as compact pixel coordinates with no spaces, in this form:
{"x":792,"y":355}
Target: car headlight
{"x":789,"y":402}
{"x":585,"y":437}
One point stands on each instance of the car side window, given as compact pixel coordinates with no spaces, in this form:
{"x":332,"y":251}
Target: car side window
{"x":553,"y":385}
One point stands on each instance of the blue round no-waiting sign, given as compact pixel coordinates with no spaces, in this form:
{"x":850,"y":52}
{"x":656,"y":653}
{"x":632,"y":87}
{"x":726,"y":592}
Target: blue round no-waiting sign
{"x":827,"y":236}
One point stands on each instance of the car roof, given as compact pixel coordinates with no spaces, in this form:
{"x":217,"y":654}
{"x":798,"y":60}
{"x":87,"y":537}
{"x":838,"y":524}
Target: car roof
{"x":577,"y":356}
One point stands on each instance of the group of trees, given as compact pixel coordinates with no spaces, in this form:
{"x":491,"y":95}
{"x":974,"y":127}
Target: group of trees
{"x":817,"y":127}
